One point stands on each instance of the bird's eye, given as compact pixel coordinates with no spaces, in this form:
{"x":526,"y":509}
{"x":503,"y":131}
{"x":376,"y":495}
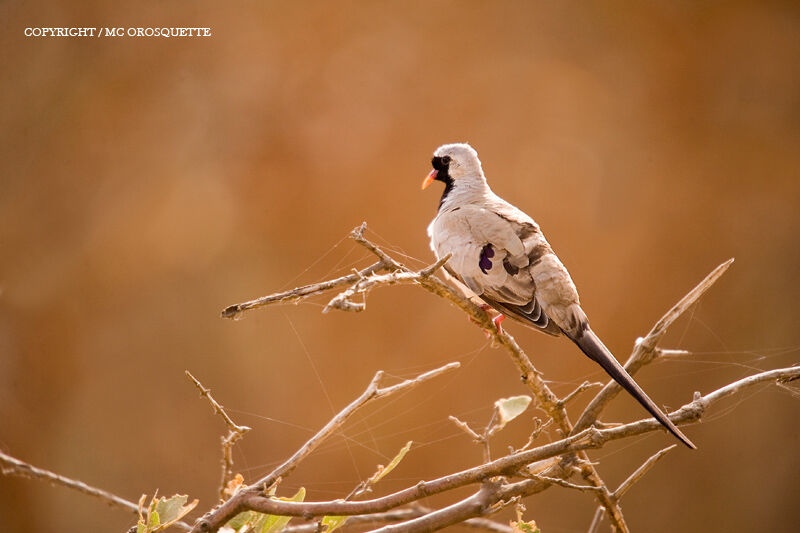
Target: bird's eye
{"x":446,"y":160}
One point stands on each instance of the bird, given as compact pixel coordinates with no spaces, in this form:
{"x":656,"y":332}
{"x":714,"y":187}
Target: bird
{"x":499,"y":255}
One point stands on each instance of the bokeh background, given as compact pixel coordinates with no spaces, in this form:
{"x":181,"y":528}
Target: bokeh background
{"x":148,"y":183}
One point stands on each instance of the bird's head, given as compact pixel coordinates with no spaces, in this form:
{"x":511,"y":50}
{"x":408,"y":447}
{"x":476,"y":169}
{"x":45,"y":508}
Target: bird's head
{"x":455,"y":165}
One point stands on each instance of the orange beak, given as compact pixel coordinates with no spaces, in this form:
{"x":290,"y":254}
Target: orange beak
{"x":430,"y":179}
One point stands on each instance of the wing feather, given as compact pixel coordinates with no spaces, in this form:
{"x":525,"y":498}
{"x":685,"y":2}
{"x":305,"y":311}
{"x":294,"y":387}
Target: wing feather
{"x":491,"y":256}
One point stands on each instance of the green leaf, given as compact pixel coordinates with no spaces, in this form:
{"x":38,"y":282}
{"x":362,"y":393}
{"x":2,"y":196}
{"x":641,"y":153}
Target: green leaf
{"x":173,"y":509}
{"x":275,"y":524}
{"x":163,"y":512}
{"x":334,"y":522}
{"x":524,"y":527}
{"x":246,"y":518}
{"x":382,"y":471}
{"x":510,"y":408}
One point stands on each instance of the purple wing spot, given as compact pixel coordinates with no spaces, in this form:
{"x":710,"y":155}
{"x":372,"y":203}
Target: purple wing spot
{"x":485,"y":259}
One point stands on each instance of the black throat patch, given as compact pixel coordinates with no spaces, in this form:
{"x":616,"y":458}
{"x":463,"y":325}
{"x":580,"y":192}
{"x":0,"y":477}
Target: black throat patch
{"x":442,"y":168}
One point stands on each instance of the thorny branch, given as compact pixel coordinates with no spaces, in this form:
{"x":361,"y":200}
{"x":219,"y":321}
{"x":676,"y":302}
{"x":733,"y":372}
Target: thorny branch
{"x":235,"y":433}
{"x":590,"y":438}
{"x":570,"y":449}
{"x":548,"y":401}
{"x":399,"y":273}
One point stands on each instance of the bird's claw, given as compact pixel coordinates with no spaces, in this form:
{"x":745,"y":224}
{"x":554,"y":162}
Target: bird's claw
{"x":496,"y":319}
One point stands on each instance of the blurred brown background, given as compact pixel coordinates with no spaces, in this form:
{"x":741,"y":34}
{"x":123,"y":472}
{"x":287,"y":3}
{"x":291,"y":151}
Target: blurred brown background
{"x":148,"y":183}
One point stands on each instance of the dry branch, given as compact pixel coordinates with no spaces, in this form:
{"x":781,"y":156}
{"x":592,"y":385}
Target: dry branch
{"x":641,"y":471}
{"x":570,"y":449}
{"x":300,"y":293}
{"x":548,"y":401}
{"x":11,"y":466}
{"x":628,"y":483}
{"x":399,"y":515}
{"x":235,"y":433}
{"x":490,"y":494}
{"x":217,"y":517}
{"x":644,"y":350}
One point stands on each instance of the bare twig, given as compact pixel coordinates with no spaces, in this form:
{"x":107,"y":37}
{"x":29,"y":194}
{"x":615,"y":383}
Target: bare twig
{"x":483,"y":439}
{"x":15,"y":467}
{"x":597,"y":519}
{"x":645,"y":349}
{"x":373,"y":392}
{"x":300,"y":293}
{"x":344,"y":300}
{"x":628,"y":483}
{"x":235,"y":433}
{"x":641,"y":471}
{"x":358,"y":235}
{"x":581,"y":388}
{"x":564,"y":483}
{"x":213,"y":520}
{"x":537,"y":430}
{"x":11,"y":466}
{"x":463,"y":426}
{"x":663,"y":353}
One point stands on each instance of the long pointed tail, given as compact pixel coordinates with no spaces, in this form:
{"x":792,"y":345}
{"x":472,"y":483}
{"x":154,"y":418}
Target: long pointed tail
{"x":593,"y":347}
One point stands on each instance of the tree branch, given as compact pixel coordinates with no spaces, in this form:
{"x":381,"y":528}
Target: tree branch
{"x":548,"y":401}
{"x":640,"y":472}
{"x":217,"y":517}
{"x":644,"y":350}
{"x":11,"y":466}
{"x":300,"y":293}
{"x":479,"y":502}
{"x":235,"y":433}
{"x":343,"y":301}
{"x":399,"y":515}
{"x":628,"y":483}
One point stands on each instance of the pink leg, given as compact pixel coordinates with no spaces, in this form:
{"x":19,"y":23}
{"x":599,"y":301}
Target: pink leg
{"x":496,"y":319}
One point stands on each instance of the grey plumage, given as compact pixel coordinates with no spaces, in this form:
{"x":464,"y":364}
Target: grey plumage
{"x":500,"y":256}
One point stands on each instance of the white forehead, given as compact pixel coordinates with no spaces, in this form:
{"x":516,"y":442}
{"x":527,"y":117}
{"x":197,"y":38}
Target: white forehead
{"x":458,"y":151}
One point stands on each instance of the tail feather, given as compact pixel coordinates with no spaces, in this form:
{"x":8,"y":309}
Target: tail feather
{"x":594,"y":348}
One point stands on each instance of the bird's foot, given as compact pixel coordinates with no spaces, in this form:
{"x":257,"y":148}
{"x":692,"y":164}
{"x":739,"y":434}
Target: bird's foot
{"x":496,"y":319}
